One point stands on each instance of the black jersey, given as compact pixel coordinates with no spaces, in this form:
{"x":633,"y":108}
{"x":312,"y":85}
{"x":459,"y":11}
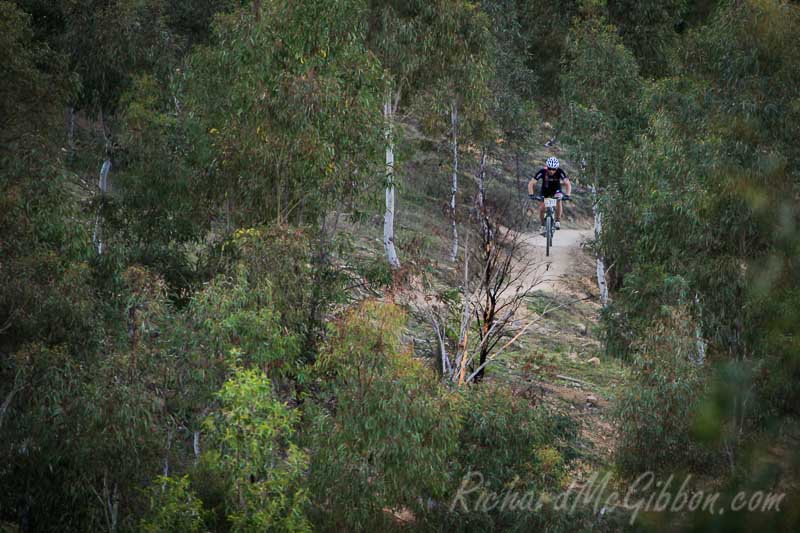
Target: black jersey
{"x":550,"y":185}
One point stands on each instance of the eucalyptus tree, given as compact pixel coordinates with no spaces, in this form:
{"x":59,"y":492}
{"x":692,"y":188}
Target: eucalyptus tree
{"x":383,"y":434}
{"x":44,"y":244}
{"x":107,"y":42}
{"x":719,"y":151}
{"x":544,"y":25}
{"x":460,"y":89}
{"x":284,"y":109}
{"x":398,"y":39}
{"x":649,"y":29}
{"x":410,"y":38}
{"x":600,"y":86}
{"x":514,"y":79}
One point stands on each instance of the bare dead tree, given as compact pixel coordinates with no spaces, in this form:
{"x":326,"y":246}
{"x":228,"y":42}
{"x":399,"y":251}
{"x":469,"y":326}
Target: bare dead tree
{"x":506,"y":278}
{"x":490,"y":300}
{"x":453,"y":366}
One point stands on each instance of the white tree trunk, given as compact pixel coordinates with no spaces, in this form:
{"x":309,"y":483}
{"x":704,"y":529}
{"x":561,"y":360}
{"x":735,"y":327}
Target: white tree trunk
{"x":111,"y":502}
{"x":97,"y":236}
{"x":700,"y":357}
{"x":388,"y":218}
{"x":196,"y":445}
{"x":454,"y":183}
{"x":482,"y":198}
{"x":165,"y":470}
{"x":601,"y":268}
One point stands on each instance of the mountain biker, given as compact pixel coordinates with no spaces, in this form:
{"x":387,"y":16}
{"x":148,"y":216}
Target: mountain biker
{"x":552,"y":178}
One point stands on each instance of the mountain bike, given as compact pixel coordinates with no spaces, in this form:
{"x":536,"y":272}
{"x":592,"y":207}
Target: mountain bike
{"x":550,"y":218}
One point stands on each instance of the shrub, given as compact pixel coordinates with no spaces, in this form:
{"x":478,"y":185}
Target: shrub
{"x":382,"y":441}
{"x":253,"y":451}
{"x":656,"y":410}
{"x":505,"y":443}
{"x":173,"y":507}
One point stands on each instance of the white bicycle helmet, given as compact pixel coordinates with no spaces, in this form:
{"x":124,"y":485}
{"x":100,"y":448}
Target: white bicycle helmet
{"x":552,"y":162}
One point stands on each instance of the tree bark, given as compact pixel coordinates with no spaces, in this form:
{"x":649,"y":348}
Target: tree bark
{"x":485,"y":227}
{"x":388,"y":219}
{"x":601,"y":268}
{"x":700,"y":357}
{"x":466,"y":316}
{"x":97,"y":236}
{"x":165,"y":470}
{"x":110,"y":503}
{"x":196,"y":446}
{"x":521,"y":188}
{"x":454,"y":182}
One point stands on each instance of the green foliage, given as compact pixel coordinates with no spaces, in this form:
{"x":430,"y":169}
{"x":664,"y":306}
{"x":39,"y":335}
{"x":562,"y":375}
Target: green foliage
{"x":387,"y":438}
{"x":173,"y":507}
{"x":192,"y":18}
{"x":698,"y":221}
{"x":514,"y":82}
{"x":403,"y":36}
{"x":543,"y":26}
{"x":377,"y":273}
{"x":460,"y":58}
{"x":504,"y":443}
{"x":233,"y":321}
{"x":108,"y":43}
{"x":503,"y":437}
{"x":285,"y":110}
{"x":239,"y":320}
{"x":45,"y":255}
{"x":747,"y":55}
{"x":299,"y":267}
{"x":599,"y":82}
{"x":199,"y":311}
{"x":649,"y":28}
{"x":154,"y":214}
{"x":74,"y":432}
{"x":385,"y":441}
{"x":656,"y":412}
{"x":35,"y":85}
{"x":252,"y":449}
{"x":45,"y":249}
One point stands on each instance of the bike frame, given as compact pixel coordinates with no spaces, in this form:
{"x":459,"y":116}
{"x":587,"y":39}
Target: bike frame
{"x":549,"y":219}
{"x":550,"y":206}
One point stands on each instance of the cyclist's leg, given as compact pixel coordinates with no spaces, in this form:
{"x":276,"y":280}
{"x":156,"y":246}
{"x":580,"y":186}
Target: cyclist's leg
{"x":566,"y":185}
{"x":541,"y":213}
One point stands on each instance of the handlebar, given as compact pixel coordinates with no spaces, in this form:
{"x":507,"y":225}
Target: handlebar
{"x":541,"y":198}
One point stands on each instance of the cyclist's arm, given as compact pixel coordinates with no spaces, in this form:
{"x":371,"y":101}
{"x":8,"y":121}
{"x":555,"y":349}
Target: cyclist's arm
{"x":566,"y":185}
{"x":532,"y":183}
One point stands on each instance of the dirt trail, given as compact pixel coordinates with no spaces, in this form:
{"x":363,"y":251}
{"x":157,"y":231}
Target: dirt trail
{"x":556,"y":272}
{"x":566,"y":372}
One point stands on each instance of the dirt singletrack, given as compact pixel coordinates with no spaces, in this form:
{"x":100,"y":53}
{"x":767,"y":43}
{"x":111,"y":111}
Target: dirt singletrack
{"x":568,"y":375}
{"x":567,"y":260}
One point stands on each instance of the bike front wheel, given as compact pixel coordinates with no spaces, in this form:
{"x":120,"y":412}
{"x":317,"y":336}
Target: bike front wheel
{"x":548,"y":232}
